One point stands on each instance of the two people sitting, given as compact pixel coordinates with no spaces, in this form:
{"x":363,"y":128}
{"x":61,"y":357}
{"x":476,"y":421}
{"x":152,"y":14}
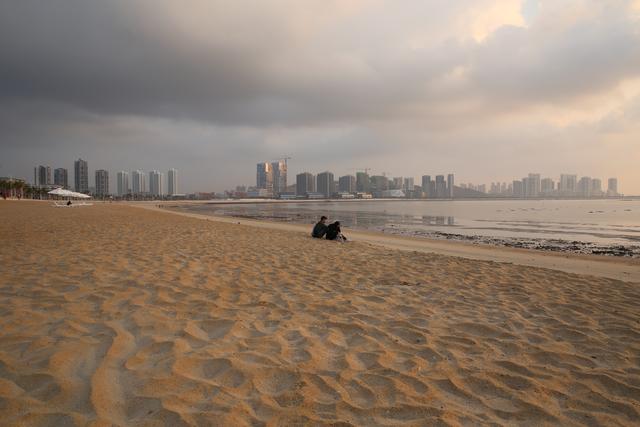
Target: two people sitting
{"x":329,"y":232}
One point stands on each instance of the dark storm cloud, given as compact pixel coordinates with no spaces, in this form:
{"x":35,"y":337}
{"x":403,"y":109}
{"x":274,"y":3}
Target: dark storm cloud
{"x":120,"y":57}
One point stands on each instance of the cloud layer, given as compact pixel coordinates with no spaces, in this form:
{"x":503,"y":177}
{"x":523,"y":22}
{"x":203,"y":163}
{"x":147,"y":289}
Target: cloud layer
{"x":213,"y":87}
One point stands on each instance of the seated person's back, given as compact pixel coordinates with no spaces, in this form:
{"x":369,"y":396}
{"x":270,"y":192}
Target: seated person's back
{"x":320,"y":229}
{"x":333,"y":231}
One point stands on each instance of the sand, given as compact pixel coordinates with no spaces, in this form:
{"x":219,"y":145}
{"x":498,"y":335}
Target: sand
{"x":114,"y":315}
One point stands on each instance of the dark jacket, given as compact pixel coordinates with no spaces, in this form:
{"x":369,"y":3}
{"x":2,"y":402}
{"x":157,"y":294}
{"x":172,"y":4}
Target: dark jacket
{"x":319,"y":230}
{"x":333,"y":231}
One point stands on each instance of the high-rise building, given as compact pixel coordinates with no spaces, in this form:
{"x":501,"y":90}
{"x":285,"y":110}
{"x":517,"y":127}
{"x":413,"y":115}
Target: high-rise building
{"x":138,"y":182}
{"x":363,"y":183}
{"x":61,"y":177}
{"x":279,"y":176}
{"x":102,"y":183}
{"x":155,"y":183}
{"x":379,"y":183}
{"x":584,"y":187}
{"x":426,"y":186}
{"x":408,"y":184}
{"x":567,"y":185}
{"x":596,"y":187}
{"x":43,"y":175}
{"x":612,"y":188}
{"x":122,"y":183}
{"x":532,"y":185}
{"x":172,"y":182}
{"x":264,"y":177}
{"x":396,"y":183}
{"x":305,"y":183}
{"x":440,"y":187}
{"x":347,"y":184}
{"x":325,"y":185}
{"x":547,"y":186}
{"x":450,"y":185}
{"x":81,"y":176}
{"x":518,"y":188}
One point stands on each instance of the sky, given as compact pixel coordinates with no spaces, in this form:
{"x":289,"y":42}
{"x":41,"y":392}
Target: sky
{"x":487,"y":89}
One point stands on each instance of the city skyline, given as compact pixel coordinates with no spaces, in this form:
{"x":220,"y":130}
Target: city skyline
{"x":431,"y":89}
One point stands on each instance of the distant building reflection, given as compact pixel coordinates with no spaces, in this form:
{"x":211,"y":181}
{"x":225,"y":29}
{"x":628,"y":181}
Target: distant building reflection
{"x":438,"y":220}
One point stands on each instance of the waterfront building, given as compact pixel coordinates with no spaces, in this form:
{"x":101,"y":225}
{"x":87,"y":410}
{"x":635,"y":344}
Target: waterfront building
{"x":441,"y":187}
{"x":347,"y":184}
{"x":305,"y":184}
{"x":532,"y":185}
{"x":397,"y":182}
{"x":612,"y":188}
{"x":81,"y":176}
{"x":325,"y":184}
{"x":379,"y":183}
{"x":102,"y":183}
{"x":518,"y":188}
{"x":42,"y":175}
{"x":450,"y":185}
{"x":279,"y":176}
{"x":426,"y":186}
{"x":61,"y":177}
{"x":172,"y":182}
{"x":547,"y":187}
{"x":363,"y":183}
{"x":567,"y":185}
{"x":264,"y":176}
{"x":138,"y":182}
{"x":584,"y":187}
{"x":408,"y":184}
{"x":155,"y":183}
{"x":122,"y":183}
{"x":596,"y":187}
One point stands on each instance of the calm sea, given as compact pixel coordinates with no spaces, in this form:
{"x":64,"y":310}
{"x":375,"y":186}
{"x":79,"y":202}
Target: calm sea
{"x":590,"y":223}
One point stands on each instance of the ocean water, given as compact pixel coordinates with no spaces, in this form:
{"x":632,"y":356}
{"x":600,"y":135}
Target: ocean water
{"x":590,"y":226}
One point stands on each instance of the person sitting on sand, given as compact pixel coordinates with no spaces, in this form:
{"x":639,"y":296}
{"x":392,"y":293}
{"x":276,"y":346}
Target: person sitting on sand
{"x":320,"y":229}
{"x":69,"y":203}
{"x":334,"y":232}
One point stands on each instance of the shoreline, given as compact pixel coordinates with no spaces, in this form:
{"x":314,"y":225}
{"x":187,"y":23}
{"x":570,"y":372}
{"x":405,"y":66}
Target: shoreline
{"x":625,"y":269}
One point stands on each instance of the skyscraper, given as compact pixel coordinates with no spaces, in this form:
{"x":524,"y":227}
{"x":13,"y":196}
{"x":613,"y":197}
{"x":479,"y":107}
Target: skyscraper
{"x":441,"y":187}
{"x":363,"y":184}
{"x":596,"y":187}
{"x":264,"y":177}
{"x":305,"y":183}
{"x":347,"y":184}
{"x":408,"y":184}
{"x":172,"y":181}
{"x":396,"y":183}
{"x":612,"y":188}
{"x":518,"y":188}
{"x":102,"y":183}
{"x":43,"y":176}
{"x":584,"y":186}
{"x":532,"y":185}
{"x":279,"y":173}
{"x":547,"y":186}
{"x":325,"y":184}
{"x":450,"y":185}
{"x":138,"y":182}
{"x":81,"y":176}
{"x":426,"y":186}
{"x":61,"y":177}
{"x":123,"y":183}
{"x":567,"y":185}
{"x":155,"y":183}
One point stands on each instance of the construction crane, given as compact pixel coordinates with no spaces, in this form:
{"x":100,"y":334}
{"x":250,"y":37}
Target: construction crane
{"x":366,"y":170}
{"x":285,"y":158}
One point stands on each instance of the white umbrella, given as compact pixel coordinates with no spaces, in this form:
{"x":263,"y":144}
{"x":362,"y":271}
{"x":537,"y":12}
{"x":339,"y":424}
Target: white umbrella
{"x":66,"y":193}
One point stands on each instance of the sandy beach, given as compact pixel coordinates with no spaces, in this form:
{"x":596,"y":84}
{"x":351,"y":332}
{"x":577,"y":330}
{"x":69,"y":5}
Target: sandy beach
{"x":116,"y":315}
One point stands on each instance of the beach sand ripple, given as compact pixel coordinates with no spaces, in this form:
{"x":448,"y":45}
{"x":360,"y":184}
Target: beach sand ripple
{"x":112,"y":315}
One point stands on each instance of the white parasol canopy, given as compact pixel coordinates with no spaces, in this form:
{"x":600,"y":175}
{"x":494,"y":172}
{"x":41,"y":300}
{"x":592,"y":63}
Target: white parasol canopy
{"x":67,"y":193}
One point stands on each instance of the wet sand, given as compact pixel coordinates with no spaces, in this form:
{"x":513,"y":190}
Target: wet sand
{"x":115,"y":315}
